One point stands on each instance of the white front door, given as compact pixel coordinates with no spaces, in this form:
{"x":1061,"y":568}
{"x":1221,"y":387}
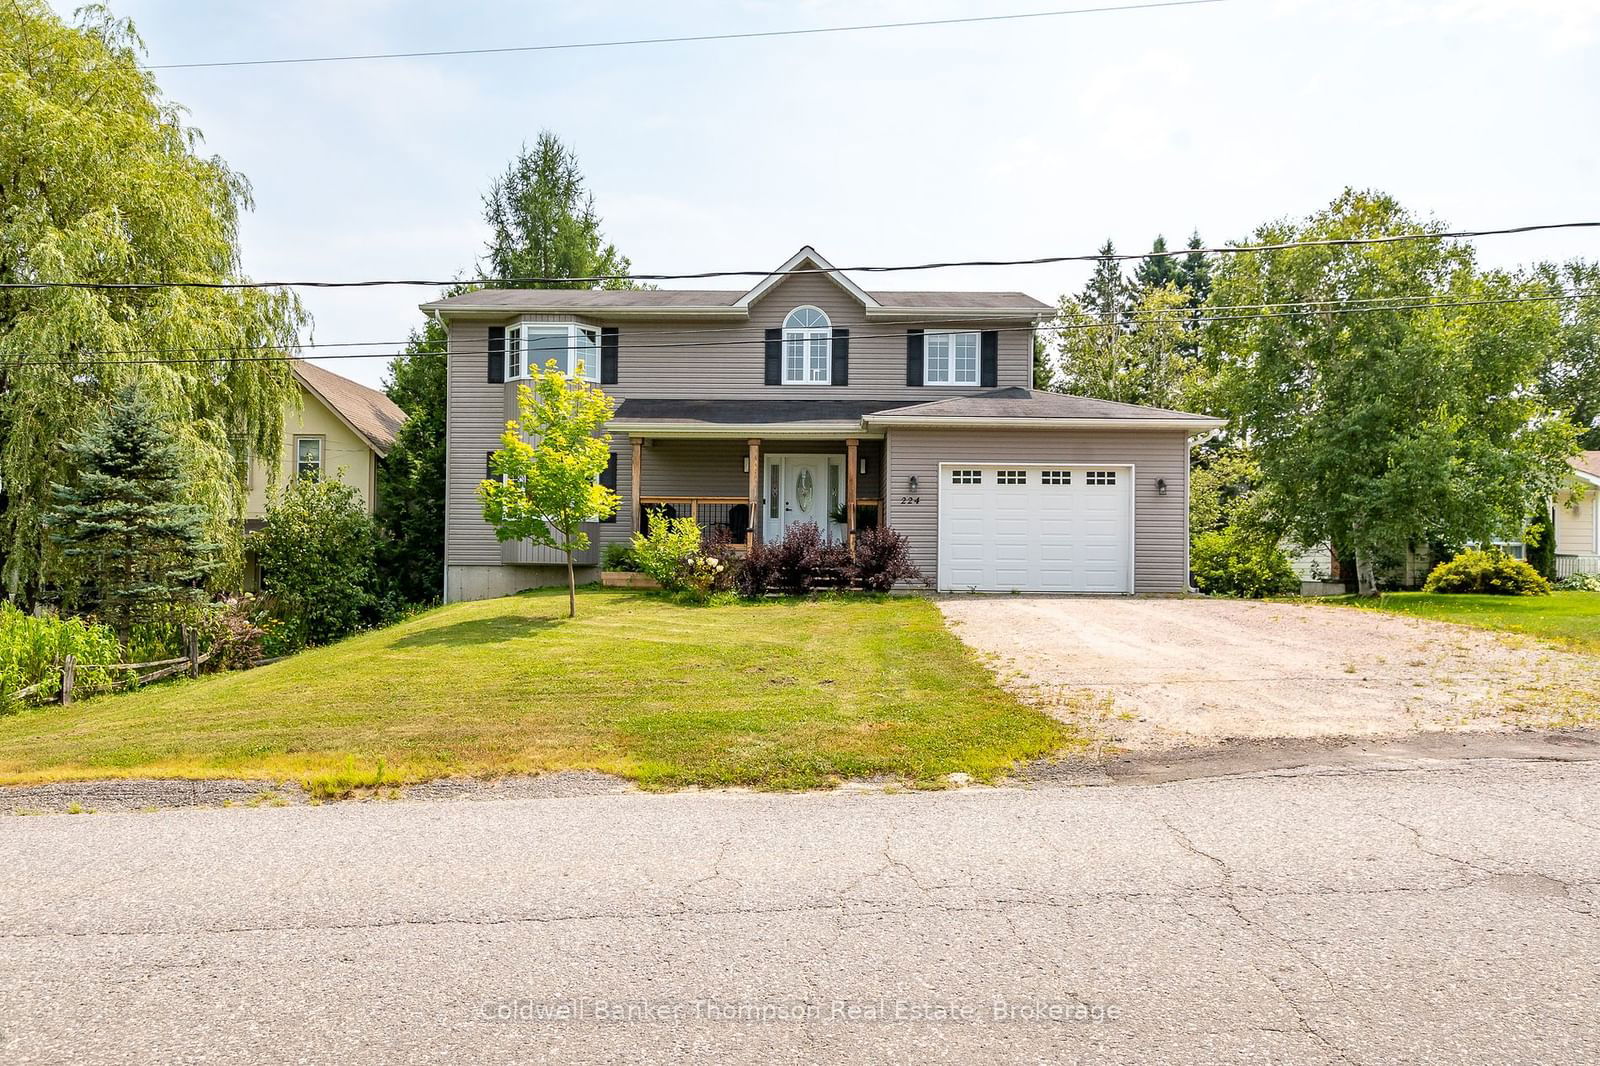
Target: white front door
{"x":798,"y":490}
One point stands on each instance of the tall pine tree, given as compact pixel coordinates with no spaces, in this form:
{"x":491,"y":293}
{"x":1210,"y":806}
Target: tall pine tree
{"x":1157,"y":270}
{"x":133,"y":545}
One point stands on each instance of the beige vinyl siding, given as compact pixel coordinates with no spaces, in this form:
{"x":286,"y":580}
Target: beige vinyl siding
{"x":714,"y":369}
{"x":475,"y":418}
{"x":1576,"y":522}
{"x":718,"y":359}
{"x":1161,"y":535}
{"x":346,"y":456}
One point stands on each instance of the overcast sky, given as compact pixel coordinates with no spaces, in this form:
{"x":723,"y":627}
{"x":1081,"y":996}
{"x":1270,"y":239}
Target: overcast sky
{"x":1003,"y":140}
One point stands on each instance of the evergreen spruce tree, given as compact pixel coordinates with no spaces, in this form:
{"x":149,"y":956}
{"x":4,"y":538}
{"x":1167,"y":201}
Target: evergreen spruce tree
{"x":1108,"y":296}
{"x":1193,"y":273}
{"x":133,"y":545}
{"x":1160,"y":269}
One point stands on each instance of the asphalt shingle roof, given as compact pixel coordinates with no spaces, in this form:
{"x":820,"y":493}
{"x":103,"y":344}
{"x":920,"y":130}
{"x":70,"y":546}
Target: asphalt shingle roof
{"x":373,"y":414}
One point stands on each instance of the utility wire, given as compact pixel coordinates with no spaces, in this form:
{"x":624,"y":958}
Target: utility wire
{"x":1392,"y":302}
{"x":688,"y":39}
{"x":597,"y":279}
{"x":1196,"y":315}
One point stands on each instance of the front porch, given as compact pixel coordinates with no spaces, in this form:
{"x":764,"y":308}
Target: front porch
{"x":752,"y":489}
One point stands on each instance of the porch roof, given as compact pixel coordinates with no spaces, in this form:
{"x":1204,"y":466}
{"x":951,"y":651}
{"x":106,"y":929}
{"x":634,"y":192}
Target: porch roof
{"x":747,"y":418}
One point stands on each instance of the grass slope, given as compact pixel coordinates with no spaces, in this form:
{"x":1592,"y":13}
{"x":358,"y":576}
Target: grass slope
{"x":779,"y":695}
{"x":1572,"y":618}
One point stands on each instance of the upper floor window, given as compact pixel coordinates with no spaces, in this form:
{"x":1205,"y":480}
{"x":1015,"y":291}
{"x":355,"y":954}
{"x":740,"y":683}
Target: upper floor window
{"x":807,"y":347}
{"x":575,"y":348}
{"x":308,"y":457}
{"x":950,"y":358}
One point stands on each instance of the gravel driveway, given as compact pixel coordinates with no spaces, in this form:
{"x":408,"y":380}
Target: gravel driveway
{"x":1147,"y":673}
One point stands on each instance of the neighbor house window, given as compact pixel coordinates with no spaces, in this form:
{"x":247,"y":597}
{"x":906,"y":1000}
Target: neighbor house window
{"x":575,"y":349}
{"x":950,"y":358}
{"x":308,"y":457}
{"x":807,"y":347}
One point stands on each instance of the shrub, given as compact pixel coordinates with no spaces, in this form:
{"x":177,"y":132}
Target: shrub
{"x":800,"y":562}
{"x":1580,"y":583}
{"x":231,"y":631}
{"x":1235,"y":562}
{"x":1493,"y":572}
{"x":883,"y":558}
{"x":316,"y":547}
{"x":619,"y":557}
{"x":32,"y":648}
{"x":663,"y":552}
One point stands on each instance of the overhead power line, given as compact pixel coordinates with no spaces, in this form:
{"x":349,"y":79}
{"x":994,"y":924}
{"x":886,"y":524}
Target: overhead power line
{"x":896,"y":338}
{"x":809,"y":31}
{"x":703,"y":275}
{"x":1392,"y":302}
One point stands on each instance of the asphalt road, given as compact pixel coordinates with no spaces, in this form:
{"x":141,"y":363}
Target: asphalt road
{"x":1367,"y":915}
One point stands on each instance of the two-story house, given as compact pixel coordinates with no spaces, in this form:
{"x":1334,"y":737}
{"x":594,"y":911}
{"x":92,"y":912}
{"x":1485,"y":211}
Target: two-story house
{"x":807,"y":398}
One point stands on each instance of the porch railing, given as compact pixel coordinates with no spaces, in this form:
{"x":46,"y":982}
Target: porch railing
{"x":1570,"y":565}
{"x":730,"y":515}
{"x":727,"y":515}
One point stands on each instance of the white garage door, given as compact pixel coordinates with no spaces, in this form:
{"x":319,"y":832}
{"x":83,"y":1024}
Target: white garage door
{"x":1035,"y":528}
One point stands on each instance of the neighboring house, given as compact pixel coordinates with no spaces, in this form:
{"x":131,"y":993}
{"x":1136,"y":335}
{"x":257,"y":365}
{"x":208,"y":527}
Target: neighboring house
{"x":338,"y":429}
{"x":1577,"y":519}
{"x":809,"y":399}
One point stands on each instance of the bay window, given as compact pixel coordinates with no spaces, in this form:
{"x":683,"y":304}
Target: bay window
{"x":575,"y":349}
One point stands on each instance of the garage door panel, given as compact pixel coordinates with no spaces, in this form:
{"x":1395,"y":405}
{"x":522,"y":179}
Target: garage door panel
{"x":1040,"y":532}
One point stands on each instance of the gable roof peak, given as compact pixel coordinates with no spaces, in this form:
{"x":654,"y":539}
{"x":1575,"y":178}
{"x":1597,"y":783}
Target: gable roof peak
{"x":797,"y":261}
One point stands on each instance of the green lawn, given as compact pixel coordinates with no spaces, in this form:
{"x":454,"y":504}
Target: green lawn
{"x":1568,"y":617}
{"x":775,"y":695}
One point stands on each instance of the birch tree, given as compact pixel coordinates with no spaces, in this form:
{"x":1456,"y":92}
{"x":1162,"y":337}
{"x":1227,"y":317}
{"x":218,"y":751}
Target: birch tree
{"x":1399,"y":405}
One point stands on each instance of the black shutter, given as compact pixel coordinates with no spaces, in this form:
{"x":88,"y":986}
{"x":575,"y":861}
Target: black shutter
{"x":913,"y":357}
{"x":608,"y":359}
{"x":497,"y":355}
{"x":774,"y":357}
{"x":609,"y":480}
{"x":989,"y":350}
{"x":841,"y":357}
{"x":488,"y":465}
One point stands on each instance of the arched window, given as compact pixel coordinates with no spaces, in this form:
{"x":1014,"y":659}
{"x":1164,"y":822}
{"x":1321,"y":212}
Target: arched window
{"x":807,"y":347}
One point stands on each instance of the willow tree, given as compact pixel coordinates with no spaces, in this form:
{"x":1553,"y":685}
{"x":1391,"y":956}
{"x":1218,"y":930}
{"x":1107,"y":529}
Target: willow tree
{"x":101,"y":181}
{"x":1393,"y":400}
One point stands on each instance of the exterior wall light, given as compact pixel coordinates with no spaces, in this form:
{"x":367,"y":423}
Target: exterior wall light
{"x":912,"y":484}
{"x":861,"y":465}
{"x":747,"y":464}
{"x":1161,"y":486}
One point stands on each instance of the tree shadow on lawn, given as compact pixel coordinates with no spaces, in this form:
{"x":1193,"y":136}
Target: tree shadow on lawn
{"x":497,"y":630}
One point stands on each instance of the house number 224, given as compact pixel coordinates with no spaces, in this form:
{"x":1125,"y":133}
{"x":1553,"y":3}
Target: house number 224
{"x":910,"y":499}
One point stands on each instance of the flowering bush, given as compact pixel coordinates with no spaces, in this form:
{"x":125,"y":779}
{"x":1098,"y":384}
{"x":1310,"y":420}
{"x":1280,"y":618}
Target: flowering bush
{"x":662,"y":552}
{"x":1580,"y":583}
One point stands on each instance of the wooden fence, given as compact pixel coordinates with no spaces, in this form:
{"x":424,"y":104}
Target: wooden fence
{"x":188,"y":663}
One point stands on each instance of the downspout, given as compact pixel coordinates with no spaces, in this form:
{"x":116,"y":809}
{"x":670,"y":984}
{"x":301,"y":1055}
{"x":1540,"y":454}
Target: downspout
{"x":444,"y":570}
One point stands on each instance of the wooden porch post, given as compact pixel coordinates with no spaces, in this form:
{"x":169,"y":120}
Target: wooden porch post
{"x":635,"y":480}
{"x":851,"y":445}
{"x":755,"y":491}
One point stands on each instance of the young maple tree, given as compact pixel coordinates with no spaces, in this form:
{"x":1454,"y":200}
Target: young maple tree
{"x":547,"y":471}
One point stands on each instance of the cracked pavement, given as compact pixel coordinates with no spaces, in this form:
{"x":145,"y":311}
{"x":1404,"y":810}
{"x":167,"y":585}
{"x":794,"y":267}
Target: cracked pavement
{"x":1437,"y":914}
